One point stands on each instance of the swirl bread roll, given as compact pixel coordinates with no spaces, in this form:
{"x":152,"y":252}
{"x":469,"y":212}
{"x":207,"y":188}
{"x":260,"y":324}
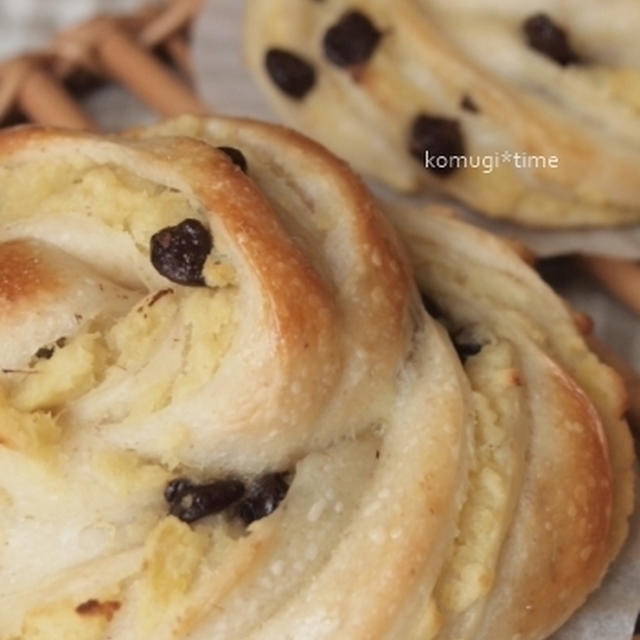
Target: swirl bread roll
{"x":291,"y":351}
{"x":509,"y":327}
{"x":528,"y":111}
{"x":226,"y":413}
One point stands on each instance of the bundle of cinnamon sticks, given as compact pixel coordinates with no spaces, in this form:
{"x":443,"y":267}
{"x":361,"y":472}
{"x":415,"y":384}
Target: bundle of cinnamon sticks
{"x":147,"y":52}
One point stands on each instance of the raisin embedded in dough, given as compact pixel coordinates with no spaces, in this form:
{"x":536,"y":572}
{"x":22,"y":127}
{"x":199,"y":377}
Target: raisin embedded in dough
{"x":442,"y":138}
{"x":549,"y":39}
{"x":190,"y":502}
{"x":179,"y":253}
{"x":292,"y":75}
{"x":263,"y":497}
{"x":432,"y":307}
{"x":236,"y":156}
{"x":466,"y":349}
{"x":352,"y":40}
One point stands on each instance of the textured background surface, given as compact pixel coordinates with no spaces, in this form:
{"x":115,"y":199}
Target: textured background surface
{"x":28,"y":24}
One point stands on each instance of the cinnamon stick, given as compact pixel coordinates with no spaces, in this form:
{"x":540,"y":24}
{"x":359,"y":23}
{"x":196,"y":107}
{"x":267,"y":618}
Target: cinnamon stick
{"x":178,"y":50}
{"x":620,"y":277}
{"x":174,"y":18}
{"x":47,"y":102}
{"x":129,"y":63}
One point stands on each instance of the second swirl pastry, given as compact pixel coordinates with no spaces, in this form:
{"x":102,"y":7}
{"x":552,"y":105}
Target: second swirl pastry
{"x":528,"y":111}
{"x":225,"y":412}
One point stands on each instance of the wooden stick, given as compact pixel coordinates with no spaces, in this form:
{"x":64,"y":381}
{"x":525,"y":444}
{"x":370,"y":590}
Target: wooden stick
{"x":174,"y":18}
{"x":128,"y":62}
{"x":176,"y":46}
{"x":620,"y":277}
{"x":12,"y":74}
{"x":46,"y":101}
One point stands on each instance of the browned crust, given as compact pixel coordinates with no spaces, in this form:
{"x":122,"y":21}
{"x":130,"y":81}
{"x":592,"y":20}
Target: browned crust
{"x":373,"y":230}
{"x":374,"y":233}
{"x":300,"y":306}
{"x":22,"y":274}
{"x":572,"y":517}
{"x":560,"y":544}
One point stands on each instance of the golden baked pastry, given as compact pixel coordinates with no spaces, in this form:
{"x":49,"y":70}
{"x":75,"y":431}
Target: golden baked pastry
{"x":225,"y":413}
{"x":525,"y":345}
{"x":528,"y":111}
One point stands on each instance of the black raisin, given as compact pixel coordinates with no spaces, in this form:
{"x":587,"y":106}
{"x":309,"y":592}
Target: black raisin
{"x":438,"y":143}
{"x":466,"y":343}
{"x":179,"y":253}
{"x":263,"y":497}
{"x":468,"y":104}
{"x":290,"y":73}
{"x":175,"y":489}
{"x":432,"y":307}
{"x":236,"y":156}
{"x":352,"y":40}
{"x":548,"y":38}
{"x":190,"y":502}
{"x":466,"y":349}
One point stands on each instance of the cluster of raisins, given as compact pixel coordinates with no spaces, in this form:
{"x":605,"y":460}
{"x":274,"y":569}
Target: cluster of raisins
{"x":248,"y":501}
{"x":353,"y":40}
